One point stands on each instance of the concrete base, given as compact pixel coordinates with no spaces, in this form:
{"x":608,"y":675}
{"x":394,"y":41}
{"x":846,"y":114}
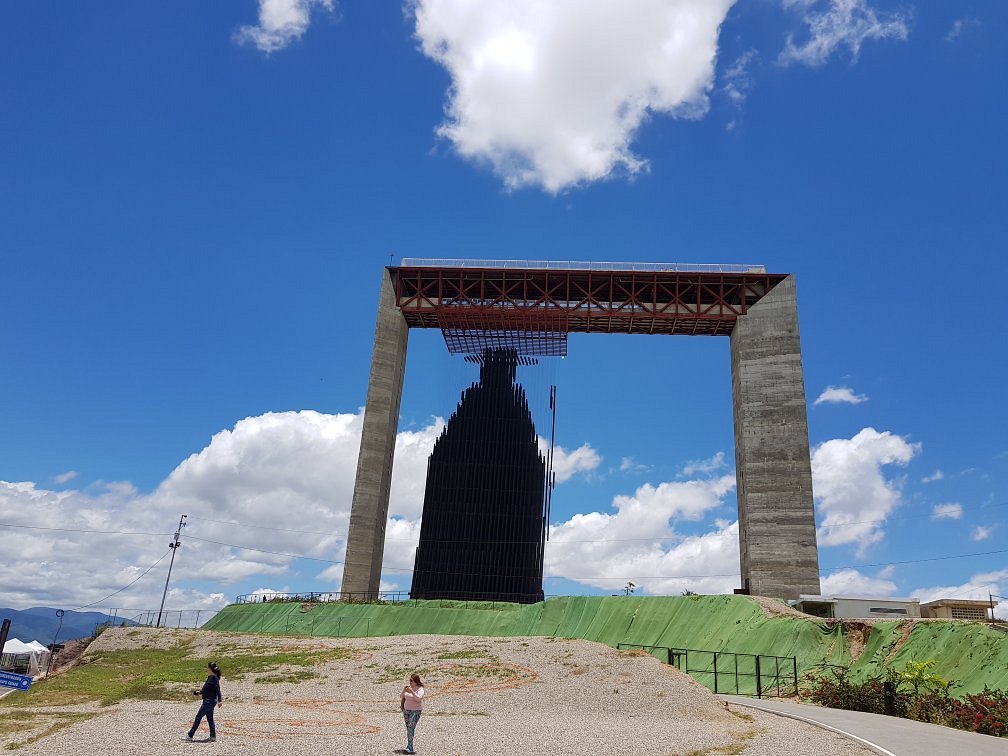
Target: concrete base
{"x":777,"y":537}
{"x":369,"y":510}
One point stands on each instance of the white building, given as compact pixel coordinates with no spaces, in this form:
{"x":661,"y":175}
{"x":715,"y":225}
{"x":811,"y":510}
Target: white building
{"x":859,"y":607}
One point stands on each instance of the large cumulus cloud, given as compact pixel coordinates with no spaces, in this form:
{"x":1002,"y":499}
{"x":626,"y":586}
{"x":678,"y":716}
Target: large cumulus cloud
{"x":551,"y":94}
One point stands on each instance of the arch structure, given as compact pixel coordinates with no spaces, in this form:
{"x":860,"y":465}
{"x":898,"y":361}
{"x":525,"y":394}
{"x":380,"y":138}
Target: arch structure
{"x":532,"y":306}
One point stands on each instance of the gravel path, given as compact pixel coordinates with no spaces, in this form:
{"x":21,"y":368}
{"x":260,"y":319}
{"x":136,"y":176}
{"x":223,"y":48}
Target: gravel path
{"x":492,"y":696}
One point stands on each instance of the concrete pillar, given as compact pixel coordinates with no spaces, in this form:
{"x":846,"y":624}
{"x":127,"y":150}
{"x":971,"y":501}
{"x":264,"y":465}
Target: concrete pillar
{"x":777,"y":537}
{"x":369,"y":510}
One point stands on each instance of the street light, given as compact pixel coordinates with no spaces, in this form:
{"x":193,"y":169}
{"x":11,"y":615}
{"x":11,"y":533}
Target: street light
{"x":173,"y":545}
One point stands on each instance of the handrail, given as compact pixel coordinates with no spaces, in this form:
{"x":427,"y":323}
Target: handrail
{"x":725,"y":664}
{"x":637,"y":267}
{"x":368,"y":597}
{"x":323,"y":597}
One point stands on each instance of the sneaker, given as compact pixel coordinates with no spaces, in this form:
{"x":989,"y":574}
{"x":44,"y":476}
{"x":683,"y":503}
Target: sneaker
{"x":187,"y":738}
{"x":212,"y":739}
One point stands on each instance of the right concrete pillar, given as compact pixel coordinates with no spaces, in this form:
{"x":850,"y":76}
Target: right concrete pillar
{"x":777,"y":538}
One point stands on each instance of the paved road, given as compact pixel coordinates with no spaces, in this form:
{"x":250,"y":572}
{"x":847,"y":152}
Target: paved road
{"x":890,"y":736}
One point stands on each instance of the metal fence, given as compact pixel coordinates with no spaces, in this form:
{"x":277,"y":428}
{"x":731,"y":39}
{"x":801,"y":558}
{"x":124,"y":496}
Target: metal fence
{"x":730,"y":672}
{"x":191,"y":618}
{"x":346,"y":627}
{"x":381,"y":597}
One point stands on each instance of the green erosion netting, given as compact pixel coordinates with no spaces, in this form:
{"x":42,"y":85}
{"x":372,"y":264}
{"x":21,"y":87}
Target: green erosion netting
{"x":971,"y":654}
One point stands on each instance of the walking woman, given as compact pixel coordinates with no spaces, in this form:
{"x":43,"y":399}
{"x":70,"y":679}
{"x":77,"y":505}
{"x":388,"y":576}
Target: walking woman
{"x":411,"y":704}
{"x":211,"y":694}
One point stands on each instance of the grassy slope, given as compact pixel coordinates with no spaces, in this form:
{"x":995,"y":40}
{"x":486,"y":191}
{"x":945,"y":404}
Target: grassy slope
{"x":107,"y":677}
{"x":973,"y":655}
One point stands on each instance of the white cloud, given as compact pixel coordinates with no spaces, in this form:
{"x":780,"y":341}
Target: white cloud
{"x":409,"y":470}
{"x":567,"y":464}
{"x":551,"y":94}
{"x":286,"y":476}
{"x":840,"y":395}
{"x":65,"y":477}
{"x":735,"y":78}
{"x":853,"y":495}
{"x":401,"y":539}
{"x":947,"y":512}
{"x":584,"y":549}
{"x":981,"y":533}
{"x":629,"y":464}
{"x":844,"y":23}
{"x":280,"y":23}
{"x":704,"y":466}
{"x":850,"y":582}
{"x":961,"y":25}
{"x":638,"y":542}
{"x":978,"y":588}
{"x":935,"y":476}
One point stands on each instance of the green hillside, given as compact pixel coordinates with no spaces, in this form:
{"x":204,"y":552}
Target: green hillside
{"x":972,"y":654}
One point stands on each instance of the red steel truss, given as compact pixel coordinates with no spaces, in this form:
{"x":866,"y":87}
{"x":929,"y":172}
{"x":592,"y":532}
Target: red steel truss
{"x":486,"y":300}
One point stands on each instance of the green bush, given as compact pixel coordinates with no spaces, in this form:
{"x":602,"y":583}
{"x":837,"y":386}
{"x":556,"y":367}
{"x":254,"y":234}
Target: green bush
{"x":918,"y":694}
{"x":837,"y":691}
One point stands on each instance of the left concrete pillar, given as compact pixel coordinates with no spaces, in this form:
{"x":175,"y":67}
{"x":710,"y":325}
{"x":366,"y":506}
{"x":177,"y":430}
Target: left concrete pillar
{"x":369,"y":510}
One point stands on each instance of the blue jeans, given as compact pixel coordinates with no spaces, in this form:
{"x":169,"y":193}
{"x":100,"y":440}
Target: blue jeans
{"x":411,"y":718}
{"x":206,"y":710}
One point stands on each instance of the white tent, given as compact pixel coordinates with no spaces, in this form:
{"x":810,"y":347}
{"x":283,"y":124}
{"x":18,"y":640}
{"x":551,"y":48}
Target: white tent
{"x":26,"y":658}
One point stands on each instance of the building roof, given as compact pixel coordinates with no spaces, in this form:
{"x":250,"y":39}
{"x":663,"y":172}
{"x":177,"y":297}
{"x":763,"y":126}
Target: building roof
{"x":833,"y":599}
{"x":959,"y":602}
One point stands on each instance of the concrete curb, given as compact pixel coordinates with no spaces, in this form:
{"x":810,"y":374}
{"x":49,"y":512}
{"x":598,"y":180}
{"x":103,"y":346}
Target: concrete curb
{"x":867,"y":743}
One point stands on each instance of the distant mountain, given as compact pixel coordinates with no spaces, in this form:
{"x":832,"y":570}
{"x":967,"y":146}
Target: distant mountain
{"x":40,"y":623}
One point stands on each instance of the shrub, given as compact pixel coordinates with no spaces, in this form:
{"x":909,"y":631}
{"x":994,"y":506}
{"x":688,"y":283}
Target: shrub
{"x":985,"y":712}
{"x":918,"y":694}
{"x":837,"y":691}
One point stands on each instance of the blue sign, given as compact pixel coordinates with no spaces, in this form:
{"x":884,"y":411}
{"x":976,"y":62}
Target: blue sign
{"x":11,"y":680}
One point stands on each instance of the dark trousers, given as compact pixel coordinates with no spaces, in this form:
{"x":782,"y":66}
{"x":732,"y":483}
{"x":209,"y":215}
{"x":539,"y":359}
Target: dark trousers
{"x":206,"y":710}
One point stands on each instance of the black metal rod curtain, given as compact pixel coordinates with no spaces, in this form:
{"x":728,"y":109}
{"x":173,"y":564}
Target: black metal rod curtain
{"x":483,"y":529}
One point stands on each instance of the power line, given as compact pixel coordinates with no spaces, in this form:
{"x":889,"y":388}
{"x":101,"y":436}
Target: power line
{"x":81,"y":530}
{"x":259,"y":527}
{"x":607,"y":577}
{"x":406,"y":570}
{"x":265,"y":551}
{"x":124,"y":587}
{"x":918,"y":561}
{"x":580,"y":540}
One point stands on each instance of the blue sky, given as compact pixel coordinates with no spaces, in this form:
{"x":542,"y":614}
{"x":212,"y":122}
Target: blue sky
{"x":196,"y":201}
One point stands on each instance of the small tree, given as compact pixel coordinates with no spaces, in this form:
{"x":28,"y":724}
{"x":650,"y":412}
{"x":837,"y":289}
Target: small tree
{"x":916,"y":674}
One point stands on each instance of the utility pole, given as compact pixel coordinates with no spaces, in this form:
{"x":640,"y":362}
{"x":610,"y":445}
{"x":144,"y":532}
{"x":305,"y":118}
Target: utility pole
{"x":173,"y":546}
{"x":55,"y":647}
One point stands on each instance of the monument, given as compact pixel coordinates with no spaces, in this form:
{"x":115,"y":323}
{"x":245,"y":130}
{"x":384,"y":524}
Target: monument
{"x":531,"y":306}
{"x":484,"y":518}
